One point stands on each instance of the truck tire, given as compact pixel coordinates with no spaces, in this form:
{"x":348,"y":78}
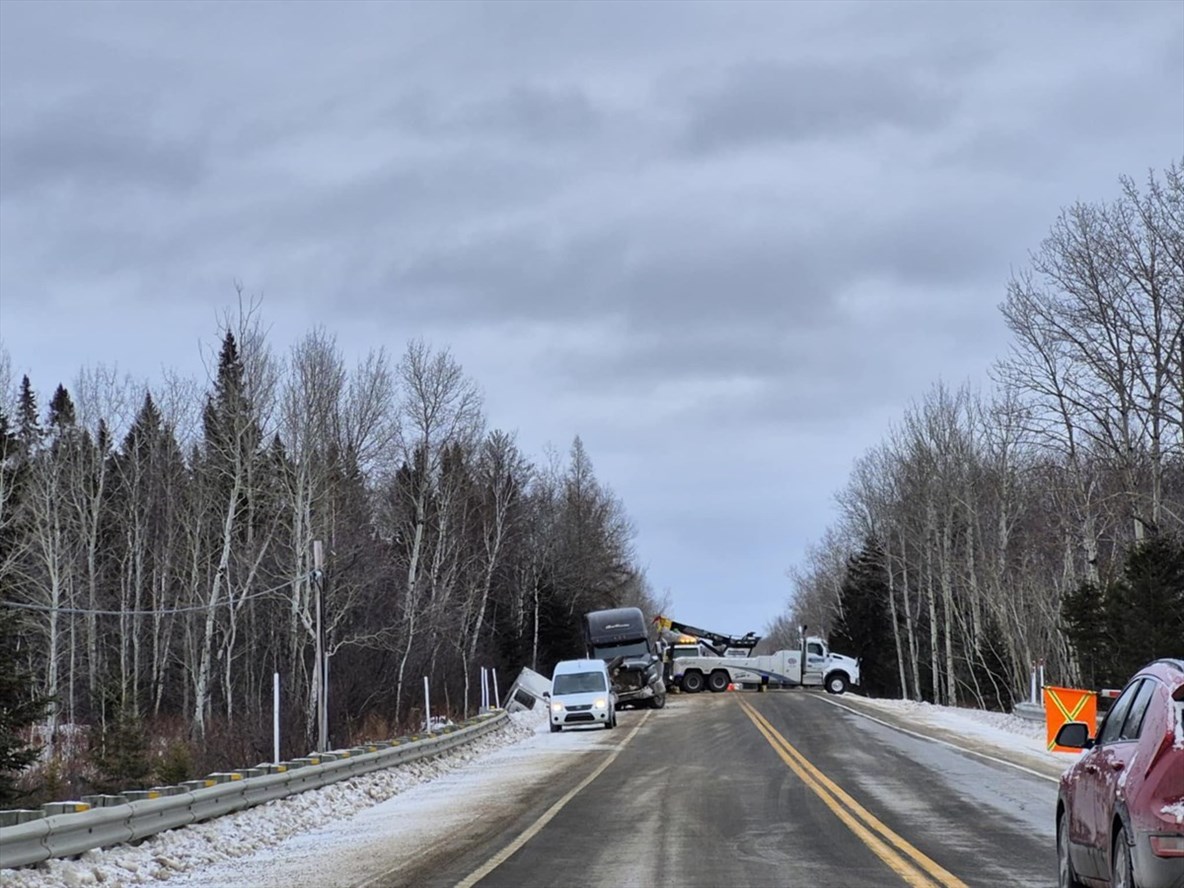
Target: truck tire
{"x":718,"y":681}
{"x":658,"y":701}
{"x":555,"y":729}
{"x":692,"y":682}
{"x":836,"y":683}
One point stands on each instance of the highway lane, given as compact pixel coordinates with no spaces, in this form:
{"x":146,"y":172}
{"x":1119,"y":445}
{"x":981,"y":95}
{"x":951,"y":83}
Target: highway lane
{"x":764,"y":790}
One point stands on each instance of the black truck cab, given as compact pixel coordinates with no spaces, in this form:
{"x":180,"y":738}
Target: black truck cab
{"x":620,"y":637}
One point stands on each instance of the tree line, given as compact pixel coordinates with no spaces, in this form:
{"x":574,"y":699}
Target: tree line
{"x":157,"y":552}
{"x":1040,"y":520}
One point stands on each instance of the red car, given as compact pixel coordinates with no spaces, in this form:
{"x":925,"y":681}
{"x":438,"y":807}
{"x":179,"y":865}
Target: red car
{"x":1120,"y":811}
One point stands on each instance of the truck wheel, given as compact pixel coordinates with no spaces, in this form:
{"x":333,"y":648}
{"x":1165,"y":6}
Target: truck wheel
{"x":692,"y":682}
{"x":718,"y":681}
{"x":836,"y":683}
{"x":657,"y":701}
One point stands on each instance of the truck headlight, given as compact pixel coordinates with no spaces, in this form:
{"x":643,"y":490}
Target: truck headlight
{"x":600,"y":704}
{"x":557,"y":707}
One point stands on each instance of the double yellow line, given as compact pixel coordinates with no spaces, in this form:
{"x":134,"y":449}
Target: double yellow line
{"x":906,"y":861}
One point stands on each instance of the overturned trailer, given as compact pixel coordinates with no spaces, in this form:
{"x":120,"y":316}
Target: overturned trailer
{"x":528,"y":690}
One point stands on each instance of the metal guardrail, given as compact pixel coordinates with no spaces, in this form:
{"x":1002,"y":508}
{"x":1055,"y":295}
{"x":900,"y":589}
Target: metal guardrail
{"x":1035,"y":712}
{"x":1029,"y":711}
{"x":64,"y":835}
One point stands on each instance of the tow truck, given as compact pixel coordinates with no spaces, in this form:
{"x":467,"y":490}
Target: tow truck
{"x":698,"y":658}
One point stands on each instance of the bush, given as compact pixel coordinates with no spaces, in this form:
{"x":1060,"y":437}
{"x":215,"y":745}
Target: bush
{"x":176,"y":765}
{"x":121,"y":753}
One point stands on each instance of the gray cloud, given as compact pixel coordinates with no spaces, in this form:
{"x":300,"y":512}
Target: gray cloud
{"x":522,"y":112}
{"x":798,"y":101}
{"x":725,"y":243}
{"x":91,"y":143}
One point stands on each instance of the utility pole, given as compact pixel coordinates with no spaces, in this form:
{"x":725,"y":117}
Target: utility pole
{"x":319,"y":671}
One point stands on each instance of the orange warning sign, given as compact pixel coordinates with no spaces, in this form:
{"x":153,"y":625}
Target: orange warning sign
{"x":1063,"y":705}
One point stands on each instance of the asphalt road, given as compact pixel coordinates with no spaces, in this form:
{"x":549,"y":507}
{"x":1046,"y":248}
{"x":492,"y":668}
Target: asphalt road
{"x":776,"y":789}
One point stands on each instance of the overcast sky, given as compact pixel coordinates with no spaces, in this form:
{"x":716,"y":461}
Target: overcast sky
{"x":726,"y":244}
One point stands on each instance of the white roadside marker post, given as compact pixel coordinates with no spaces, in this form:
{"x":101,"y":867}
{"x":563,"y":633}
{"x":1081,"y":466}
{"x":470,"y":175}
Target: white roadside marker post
{"x":427,"y":707}
{"x":275,"y":718}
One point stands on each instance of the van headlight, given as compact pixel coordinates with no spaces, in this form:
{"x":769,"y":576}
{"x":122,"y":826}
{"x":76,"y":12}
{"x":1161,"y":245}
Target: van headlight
{"x":600,"y":704}
{"x":557,"y":707}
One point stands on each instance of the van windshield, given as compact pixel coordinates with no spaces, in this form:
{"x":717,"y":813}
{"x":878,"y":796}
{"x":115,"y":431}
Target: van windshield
{"x":578,"y":683}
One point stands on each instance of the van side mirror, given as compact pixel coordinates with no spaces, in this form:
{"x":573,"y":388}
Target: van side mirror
{"x":546,"y":695}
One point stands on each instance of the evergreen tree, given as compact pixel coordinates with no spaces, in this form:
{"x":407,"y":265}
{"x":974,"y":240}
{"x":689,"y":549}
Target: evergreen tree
{"x":1132,"y":620}
{"x":1147,"y":608}
{"x":1085,"y":624}
{"x":61,"y":411}
{"x":863,"y":628}
{"x":20,"y":706}
{"x":122,"y":759}
{"x":29,"y":431}
{"x":227,"y":412}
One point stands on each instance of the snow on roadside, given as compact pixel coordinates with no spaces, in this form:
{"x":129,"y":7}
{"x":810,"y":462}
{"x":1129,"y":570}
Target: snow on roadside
{"x":1000,"y":729}
{"x":247,"y":832}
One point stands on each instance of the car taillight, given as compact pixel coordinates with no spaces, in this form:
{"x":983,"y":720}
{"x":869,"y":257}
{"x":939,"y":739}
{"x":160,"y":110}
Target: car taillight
{"x":1167,"y":846}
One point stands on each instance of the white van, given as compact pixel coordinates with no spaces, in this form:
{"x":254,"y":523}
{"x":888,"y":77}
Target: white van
{"x":582,"y":694}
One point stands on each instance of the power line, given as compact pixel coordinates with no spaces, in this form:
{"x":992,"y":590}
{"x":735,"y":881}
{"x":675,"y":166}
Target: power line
{"x":45,"y":608}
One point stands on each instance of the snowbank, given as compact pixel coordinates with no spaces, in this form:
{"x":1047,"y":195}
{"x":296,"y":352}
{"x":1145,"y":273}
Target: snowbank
{"x":198,"y":846}
{"x":1000,"y":729}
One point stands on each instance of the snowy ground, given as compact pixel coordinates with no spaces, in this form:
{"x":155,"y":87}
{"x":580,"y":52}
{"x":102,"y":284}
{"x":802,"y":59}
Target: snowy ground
{"x":194,"y":849}
{"x":393,"y":813}
{"x":1001,"y":731}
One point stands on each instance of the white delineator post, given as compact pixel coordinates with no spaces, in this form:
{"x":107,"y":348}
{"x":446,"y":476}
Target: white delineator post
{"x":484,"y":690}
{"x":275,"y":718}
{"x":427,"y":707}
{"x":497,"y":698}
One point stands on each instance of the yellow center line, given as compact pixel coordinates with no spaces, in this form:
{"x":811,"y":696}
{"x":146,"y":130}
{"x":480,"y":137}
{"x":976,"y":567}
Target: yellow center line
{"x":835,"y":798}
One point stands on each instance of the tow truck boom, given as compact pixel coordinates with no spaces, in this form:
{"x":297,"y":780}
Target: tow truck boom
{"x":719,"y":643}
